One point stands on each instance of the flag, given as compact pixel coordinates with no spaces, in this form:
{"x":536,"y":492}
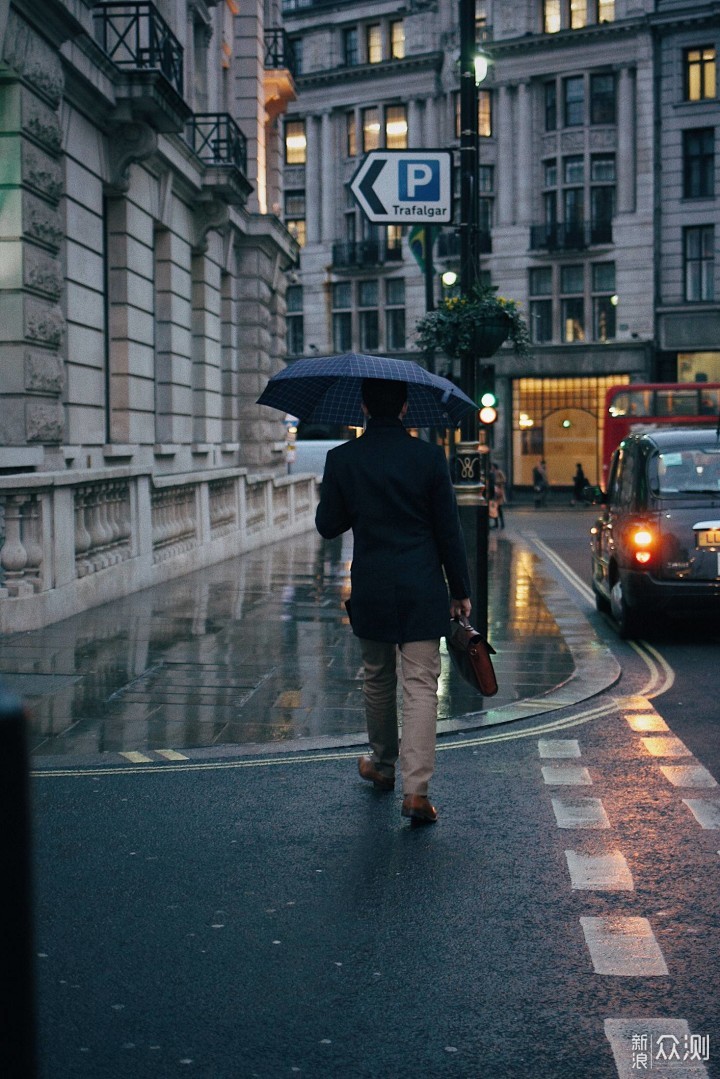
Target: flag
{"x":416,"y":242}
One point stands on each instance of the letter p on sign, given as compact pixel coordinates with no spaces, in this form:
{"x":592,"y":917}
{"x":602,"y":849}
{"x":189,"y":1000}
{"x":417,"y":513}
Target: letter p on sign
{"x":419,"y":181}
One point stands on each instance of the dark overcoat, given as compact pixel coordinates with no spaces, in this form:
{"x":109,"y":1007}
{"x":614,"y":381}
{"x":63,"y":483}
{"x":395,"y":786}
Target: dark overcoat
{"x":394,"y":492}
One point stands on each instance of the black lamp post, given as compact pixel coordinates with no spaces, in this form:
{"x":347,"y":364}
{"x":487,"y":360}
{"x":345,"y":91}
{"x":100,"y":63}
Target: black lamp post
{"x":473,"y":506}
{"x":469,"y":209}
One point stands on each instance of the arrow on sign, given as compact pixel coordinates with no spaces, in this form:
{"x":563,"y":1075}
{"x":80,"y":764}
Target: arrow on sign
{"x":367,"y":183}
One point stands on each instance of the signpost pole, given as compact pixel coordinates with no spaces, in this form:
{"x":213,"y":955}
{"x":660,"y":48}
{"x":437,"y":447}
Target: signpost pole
{"x":473,"y":504}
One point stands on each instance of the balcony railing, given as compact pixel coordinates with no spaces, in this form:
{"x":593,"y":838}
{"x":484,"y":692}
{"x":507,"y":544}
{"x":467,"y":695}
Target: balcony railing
{"x":136,"y":36}
{"x":217,"y":140}
{"x":570,"y":237}
{"x":366,"y":253}
{"x":279,"y":52}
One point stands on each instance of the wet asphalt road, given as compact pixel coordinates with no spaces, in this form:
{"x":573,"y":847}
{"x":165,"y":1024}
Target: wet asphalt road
{"x":274,"y":916}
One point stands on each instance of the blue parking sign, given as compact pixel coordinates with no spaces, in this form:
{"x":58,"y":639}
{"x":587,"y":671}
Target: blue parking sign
{"x":419,"y":180}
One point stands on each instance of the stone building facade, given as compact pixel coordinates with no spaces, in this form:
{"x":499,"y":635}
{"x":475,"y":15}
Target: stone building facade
{"x":142,"y":295}
{"x":597,"y":189}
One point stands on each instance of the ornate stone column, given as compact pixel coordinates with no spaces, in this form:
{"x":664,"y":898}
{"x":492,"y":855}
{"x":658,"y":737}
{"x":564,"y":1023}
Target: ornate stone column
{"x":626,"y":156}
{"x":31,"y":231}
{"x":505,"y":180}
{"x":312,"y":181}
{"x":524,"y":155}
{"x":327,"y":177}
{"x":416,"y":135}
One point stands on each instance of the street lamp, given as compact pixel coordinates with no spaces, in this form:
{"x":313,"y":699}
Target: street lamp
{"x":473,"y":69}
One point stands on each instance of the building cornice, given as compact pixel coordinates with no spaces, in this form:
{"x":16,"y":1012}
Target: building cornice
{"x":428,"y":61}
{"x":669,"y":21}
{"x":700,"y":15}
{"x":566,"y":39}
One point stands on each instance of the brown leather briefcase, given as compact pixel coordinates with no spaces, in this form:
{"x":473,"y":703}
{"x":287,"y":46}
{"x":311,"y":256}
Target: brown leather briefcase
{"x":470,"y":654}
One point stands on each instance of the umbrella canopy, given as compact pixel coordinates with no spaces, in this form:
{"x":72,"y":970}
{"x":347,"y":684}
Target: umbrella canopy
{"x":326,"y":389}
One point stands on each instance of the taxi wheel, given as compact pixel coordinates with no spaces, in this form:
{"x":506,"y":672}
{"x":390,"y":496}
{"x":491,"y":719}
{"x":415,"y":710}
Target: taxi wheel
{"x":628,"y":622}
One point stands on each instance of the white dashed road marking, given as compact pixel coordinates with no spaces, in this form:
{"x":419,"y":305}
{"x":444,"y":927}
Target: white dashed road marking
{"x":657,"y":1045}
{"x":599,"y":872}
{"x":644,"y":723}
{"x":559,"y":747}
{"x":566,"y":775}
{"x":688,"y":775}
{"x":666,"y":746}
{"x":624,"y":947}
{"x":580,"y":813}
{"x":707,"y":814}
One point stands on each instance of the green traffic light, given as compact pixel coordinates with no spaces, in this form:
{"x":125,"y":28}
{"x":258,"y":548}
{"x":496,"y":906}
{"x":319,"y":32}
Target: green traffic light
{"x":488,"y":400}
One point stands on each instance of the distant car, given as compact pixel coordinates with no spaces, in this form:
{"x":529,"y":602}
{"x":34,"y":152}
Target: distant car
{"x":656,"y":546}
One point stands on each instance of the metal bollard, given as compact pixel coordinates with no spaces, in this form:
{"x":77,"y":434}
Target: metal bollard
{"x":17,"y":983}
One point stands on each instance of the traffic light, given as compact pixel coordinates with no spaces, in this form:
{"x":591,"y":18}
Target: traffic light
{"x":488,"y":398}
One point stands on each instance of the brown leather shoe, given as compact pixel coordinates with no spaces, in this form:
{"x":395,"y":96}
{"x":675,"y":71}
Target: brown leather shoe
{"x":419,"y":808}
{"x":368,"y":771}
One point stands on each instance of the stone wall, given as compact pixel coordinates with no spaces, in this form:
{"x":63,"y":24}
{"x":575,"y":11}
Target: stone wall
{"x":74,"y":540}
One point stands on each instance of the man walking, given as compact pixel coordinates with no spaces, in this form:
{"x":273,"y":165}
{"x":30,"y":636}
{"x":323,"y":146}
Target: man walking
{"x":394,"y":492}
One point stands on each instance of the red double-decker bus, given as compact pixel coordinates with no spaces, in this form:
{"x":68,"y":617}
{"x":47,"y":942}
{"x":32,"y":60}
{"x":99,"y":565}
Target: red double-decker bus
{"x":647,"y":406}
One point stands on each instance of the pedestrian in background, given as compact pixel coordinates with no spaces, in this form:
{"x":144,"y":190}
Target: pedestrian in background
{"x":394,"y":492}
{"x":540,"y":483}
{"x":579,"y":484}
{"x":497,"y":494}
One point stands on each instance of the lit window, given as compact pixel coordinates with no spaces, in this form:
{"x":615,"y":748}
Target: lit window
{"x":370,"y":129}
{"x":297,"y":229}
{"x":572,"y":280}
{"x":551,"y":16}
{"x":397,"y":39}
{"x":351,"y":143}
{"x":578,"y":14}
{"x":393,"y":244}
{"x":295,"y":142}
{"x":374,"y":43}
{"x":295,"y":215}
{"x":485,"y":113}
{"x":396,"y":127}
{"x":606,"y":10}
{"x":700,"y":74}
{"x":604,"y":301}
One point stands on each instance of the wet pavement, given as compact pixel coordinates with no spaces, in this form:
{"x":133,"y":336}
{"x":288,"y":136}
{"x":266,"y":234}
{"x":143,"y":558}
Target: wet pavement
{"x":257,"y":651}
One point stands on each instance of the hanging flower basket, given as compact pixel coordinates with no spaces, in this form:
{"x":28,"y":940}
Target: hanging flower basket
{"x":491,"y":332}
{"x":474,"y":325}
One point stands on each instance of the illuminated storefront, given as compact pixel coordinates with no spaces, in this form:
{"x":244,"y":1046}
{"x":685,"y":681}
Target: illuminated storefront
{"x":561,"y":421}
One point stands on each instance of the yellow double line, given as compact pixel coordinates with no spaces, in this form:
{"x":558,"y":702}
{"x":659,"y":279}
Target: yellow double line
{"x":301,"y":758}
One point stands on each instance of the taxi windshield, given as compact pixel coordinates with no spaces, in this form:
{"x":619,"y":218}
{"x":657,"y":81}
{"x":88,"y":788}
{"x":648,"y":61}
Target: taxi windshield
{"x":685,"y":470}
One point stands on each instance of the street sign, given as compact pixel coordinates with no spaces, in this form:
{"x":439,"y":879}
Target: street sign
{"x":405,"y":187}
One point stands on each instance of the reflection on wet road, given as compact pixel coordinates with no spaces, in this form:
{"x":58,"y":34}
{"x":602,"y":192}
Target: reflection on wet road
{"x":253,"y":650}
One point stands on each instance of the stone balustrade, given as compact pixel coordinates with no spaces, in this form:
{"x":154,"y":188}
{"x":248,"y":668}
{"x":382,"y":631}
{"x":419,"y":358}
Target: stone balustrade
{"x":74,"y":540}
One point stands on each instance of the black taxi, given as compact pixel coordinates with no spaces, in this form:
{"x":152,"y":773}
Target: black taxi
{"x":656,"y":546}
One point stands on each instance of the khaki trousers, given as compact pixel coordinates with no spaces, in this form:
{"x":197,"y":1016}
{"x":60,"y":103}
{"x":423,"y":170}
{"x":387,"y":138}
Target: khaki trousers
{"x":420,"y":670}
